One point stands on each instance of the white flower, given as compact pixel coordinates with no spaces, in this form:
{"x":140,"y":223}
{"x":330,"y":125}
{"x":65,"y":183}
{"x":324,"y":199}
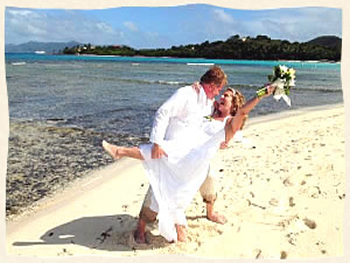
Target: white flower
{"x":283,"y":69}
{"x":292,"y":71}
{"x":292,"y":82}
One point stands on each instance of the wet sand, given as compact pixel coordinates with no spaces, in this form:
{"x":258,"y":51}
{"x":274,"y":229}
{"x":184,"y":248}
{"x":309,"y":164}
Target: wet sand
{"x":44,"y":159}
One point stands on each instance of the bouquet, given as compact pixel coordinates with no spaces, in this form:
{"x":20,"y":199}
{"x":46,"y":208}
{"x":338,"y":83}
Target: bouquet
{"x":283,"y":78}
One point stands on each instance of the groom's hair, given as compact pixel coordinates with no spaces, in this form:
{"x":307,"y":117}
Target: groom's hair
{"x":214,"y":75}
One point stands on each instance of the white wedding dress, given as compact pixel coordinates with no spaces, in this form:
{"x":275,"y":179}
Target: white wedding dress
{"x":175,"y":179}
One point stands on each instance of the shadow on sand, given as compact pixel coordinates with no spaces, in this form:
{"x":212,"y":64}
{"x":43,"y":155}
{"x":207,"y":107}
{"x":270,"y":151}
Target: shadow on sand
{"x":110,"y":233}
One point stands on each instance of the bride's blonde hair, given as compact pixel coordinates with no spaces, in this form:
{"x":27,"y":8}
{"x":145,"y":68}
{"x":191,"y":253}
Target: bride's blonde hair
{"x":238,"y":101}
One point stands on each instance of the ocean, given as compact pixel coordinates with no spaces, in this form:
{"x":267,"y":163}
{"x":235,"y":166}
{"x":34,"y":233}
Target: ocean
{"x":61,"y":108}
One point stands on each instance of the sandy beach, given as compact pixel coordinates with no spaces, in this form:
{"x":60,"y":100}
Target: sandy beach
{"x":282,"y":190}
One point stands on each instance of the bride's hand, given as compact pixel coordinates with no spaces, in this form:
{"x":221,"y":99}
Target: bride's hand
{"x":223,"y":145}
{"x":269,"y":90}
{"x":196,"y":86}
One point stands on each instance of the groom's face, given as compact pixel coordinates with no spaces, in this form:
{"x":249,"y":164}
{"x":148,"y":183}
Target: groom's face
{"x":214,"y":90}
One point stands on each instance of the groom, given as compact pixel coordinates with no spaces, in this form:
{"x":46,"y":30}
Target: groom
{"x":182,"y":112}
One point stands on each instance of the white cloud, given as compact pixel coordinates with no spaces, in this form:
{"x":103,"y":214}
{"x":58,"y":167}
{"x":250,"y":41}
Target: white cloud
{"x":36,"y":30}
{"x":57,"y":26}
{"x":222,"y":16}
{"x":104,"y":27}
{"x":67,"y":25}
{"x":23,"y":24}
{"x":149,"y":39}
{"x":298,"y":24}
{"x":22,"y":13}
{"x":131,"y":26}
{"x":219,"y":25}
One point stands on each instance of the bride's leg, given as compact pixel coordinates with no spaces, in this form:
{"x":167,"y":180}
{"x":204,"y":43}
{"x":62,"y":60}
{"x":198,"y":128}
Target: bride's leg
{"x":118,"y":152}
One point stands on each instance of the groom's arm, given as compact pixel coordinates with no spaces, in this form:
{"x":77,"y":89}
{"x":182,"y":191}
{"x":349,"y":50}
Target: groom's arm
{"x":171,"y":108}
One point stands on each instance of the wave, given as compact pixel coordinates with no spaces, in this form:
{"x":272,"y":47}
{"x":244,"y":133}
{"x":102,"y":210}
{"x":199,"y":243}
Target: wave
{"x":152,"y":82}
{"x":170,"y":82}
{"x":18,"y":63}
{"x":200,"y":64}
{"x":303,"y":88}
{"x":323,"y":90}
{"x":56,"y":120}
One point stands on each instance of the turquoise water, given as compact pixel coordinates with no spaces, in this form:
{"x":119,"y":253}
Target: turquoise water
{"x":35,"y":57}
{"x":119,"y":95}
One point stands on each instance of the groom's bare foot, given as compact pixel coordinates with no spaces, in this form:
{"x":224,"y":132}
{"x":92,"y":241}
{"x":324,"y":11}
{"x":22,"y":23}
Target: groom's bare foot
{"x":140,"y":233}
{"x":181,"y":233}
{"x":140,"y":237}
{"x":112,"y":150}
{"x":216,"y":218}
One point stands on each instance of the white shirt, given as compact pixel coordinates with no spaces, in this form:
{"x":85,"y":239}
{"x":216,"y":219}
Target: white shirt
{"x":181,"y":115}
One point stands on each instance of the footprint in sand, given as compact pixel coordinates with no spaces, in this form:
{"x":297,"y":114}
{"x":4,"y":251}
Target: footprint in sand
{"x":273,"y":202}
{"x":320,"y":243}
{"x":125,"y":207}
{"x":257,"y":253}
{"x":287,"y":182}
{"x":310,"y":223}
{"x":284,"y":254}
{"x":64,"y":252}
{"x":291,"y":201}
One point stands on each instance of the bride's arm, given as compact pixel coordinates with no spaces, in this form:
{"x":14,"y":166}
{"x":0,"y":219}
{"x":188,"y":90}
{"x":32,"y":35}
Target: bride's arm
{"x":235,"y":123}
{"x":247,"y":107}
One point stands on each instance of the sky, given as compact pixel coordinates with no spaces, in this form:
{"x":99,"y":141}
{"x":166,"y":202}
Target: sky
{"x":163,"y":27}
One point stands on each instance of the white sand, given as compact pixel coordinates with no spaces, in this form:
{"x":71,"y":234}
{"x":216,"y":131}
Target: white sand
{"x":282,"y":191}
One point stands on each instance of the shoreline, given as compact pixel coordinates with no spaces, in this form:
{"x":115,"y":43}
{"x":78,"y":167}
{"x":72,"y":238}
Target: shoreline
{"x":296,"y":203}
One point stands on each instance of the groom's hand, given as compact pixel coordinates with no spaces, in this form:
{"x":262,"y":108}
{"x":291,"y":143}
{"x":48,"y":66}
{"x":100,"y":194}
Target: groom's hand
{"x":157,"y":152}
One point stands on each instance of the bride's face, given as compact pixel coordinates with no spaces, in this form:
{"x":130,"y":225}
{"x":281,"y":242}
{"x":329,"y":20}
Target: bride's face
{"x":225,"y":102}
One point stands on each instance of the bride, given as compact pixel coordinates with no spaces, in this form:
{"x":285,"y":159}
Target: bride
{"x":176,"y":178}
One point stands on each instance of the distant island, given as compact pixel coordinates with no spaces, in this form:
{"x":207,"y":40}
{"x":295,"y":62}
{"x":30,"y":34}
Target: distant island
{"x":260,"y":48}
{"x":43,"y":47}
{"x":324,"y":48}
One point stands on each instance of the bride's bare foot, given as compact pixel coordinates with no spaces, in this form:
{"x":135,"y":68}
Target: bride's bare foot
{"x":181,"y":233}
{"x":112,"y":150}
